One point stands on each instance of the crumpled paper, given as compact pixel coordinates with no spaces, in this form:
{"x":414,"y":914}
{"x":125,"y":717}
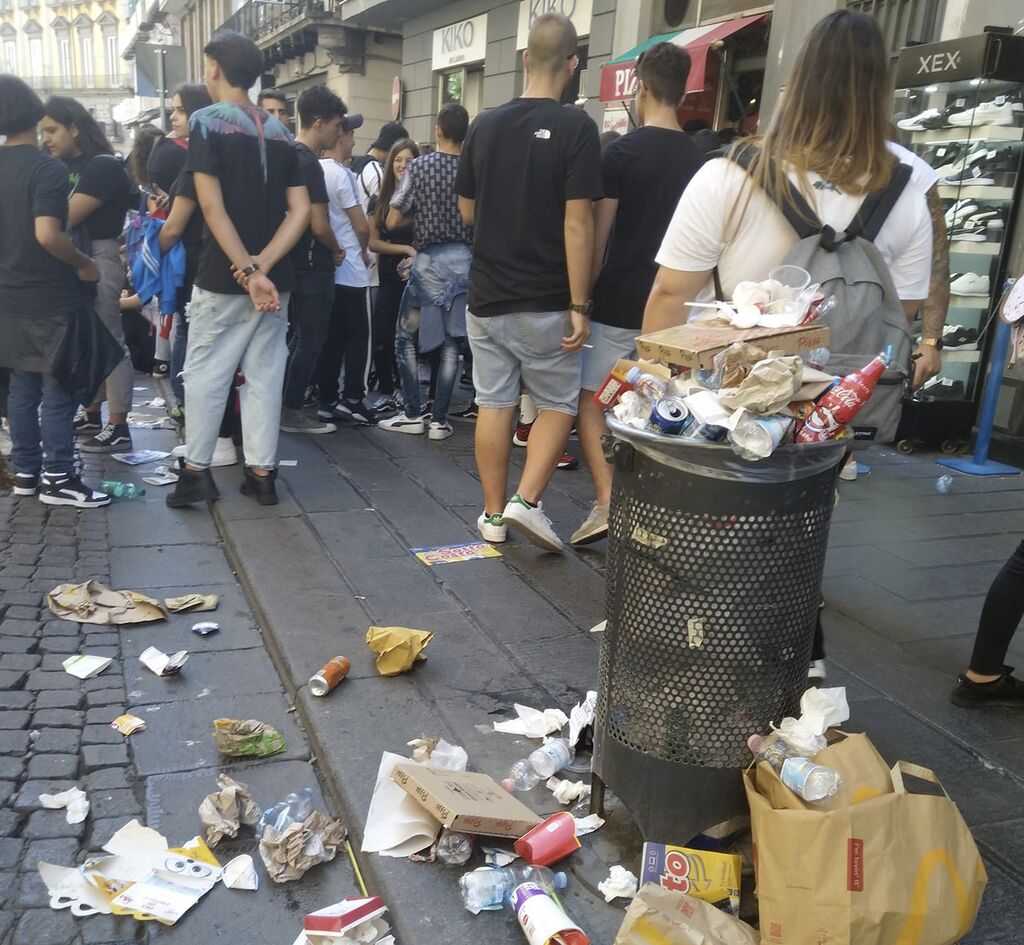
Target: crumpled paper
{"x":567,"y":791}
{"x":671,"y":917}
{"x":191,"y":602}
{"x":588,"y":824}
{"x":768,"y":388}
{"x":397,"y":648}
{"x":73,"y":799}
{"x":820,"y":710}
{"x":240,"y":873}
{"x":163,"y":664}
{"x":620,"y":884}
{"x":580,"y":716}
{"x":223,"y":811}
{"x":289,"y":853}
{"x":532,"y":722}
{"x":246,"y":738}
{"x":736,"y":361}
{"x":439,"y":754}
{"x":93,"y":602}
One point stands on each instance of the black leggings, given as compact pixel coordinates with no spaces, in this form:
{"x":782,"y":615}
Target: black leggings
{"x":1004,"y":607}
{"x":385,"y":320}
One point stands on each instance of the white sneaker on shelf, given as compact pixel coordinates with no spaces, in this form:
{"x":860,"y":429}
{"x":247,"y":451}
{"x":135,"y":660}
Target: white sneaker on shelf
{"x":987,"y":113}
{"x":970,"y":283}
{"x":533,"y":523}
{"x":914,"y":123}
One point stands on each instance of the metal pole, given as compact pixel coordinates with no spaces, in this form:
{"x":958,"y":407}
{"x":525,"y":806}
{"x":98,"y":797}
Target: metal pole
{"x":162,"y":80}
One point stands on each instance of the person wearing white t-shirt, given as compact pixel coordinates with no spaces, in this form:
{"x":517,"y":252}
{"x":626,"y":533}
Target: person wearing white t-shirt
{"x":828,"y":141}
{"x":349,"y":335}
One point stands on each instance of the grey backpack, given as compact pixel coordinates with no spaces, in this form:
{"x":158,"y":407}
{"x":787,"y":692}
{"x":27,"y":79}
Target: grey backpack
{"x":868,"y":316}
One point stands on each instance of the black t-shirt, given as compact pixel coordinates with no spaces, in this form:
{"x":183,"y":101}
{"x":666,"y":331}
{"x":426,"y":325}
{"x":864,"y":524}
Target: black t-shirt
{"x":521,"y":162}
{"x":32,"y":282}
{"x":105,"y":178}
{"x":647,"y":171}
{"x":255,"y":170}
{"x":309,"y":254}
{"x":192,"y":236}
{"x":166,"y":162}
{"x":387,"y":263}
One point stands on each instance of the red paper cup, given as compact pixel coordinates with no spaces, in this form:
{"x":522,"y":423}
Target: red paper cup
{"x":550,"y":841}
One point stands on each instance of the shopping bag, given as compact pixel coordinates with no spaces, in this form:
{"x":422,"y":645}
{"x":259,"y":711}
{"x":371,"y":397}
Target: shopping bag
{"x":896,"y":869}
{"x":86,"y":355}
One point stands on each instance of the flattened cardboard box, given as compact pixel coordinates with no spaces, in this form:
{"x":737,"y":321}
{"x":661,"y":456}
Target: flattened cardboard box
{"x":695,"y":346}
{"x":466,"y":801}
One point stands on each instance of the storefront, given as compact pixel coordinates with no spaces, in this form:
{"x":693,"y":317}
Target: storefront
{"x":457,"y":61}
{"x":726,"y":75}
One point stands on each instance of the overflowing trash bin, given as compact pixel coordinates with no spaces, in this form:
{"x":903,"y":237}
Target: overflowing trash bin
{"x":713,"y":587}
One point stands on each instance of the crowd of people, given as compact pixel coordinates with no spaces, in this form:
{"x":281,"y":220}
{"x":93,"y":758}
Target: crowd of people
{"x":521,"y":249}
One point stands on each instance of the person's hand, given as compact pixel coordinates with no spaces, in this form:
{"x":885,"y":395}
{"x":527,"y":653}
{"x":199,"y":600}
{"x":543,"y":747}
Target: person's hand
{"x":90,"y":272}
{"x":241,"y":279}
{"x":927,"y":363}
{"x":339,"y":256}
{"x":263,"y":293}
{"x":367,"y":258}
{"x":580,"y":325}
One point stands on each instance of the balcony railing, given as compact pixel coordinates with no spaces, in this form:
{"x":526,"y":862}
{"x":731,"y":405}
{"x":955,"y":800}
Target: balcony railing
{"x":118,"y":82}
{"x":260,"y":19}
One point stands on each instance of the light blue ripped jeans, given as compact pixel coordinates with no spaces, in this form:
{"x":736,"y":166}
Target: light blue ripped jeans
{"x":225,"y":332}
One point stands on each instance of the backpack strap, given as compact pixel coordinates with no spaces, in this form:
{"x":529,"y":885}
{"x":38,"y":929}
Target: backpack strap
{"x":875,"y":210}
{"x":794,"y":206}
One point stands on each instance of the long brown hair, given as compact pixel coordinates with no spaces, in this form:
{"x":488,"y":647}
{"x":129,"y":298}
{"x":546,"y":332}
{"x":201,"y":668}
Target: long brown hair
{"x":834,"y":117}
{"x":389,"y":182}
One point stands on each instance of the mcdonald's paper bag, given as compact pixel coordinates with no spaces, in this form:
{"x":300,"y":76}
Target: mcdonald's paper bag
{"x":897,"y":869}
{"x":659,"y":916}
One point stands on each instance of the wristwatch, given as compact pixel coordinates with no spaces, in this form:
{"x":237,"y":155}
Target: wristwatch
{"x":250,"y":269}
{"x":935,"y":343}
{"x":584,"y":308}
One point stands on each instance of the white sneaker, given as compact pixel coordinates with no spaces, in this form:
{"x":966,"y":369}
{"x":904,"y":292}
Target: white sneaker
{"x":403,"y":423}
{"x":849,"y":471}
{"x":970,"y":283}
{"x":594,"y":527}
{"x":987,"y":113}
{"x":533,"y":523}
{"x":914,"y":124}
{"x":224,"y":453}
{"x":439,"y":430}
{"x":492,"y":527}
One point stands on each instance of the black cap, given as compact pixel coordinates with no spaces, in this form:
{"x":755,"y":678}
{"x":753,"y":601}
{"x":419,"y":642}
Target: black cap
{"x":351,"y":122}
{"x":389,"y":134}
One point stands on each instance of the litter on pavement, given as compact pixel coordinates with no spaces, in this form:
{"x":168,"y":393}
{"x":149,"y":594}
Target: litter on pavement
{"x":92,"y":602}
{"x":138,"y":457}
{"x":396,"y":825}
{"x":191,"y":602}
{"x":205,"y":627}
{"x":454,"y":554}
{"x":223,"y":811}
{"x":659,"y":916}
{"x":291,"y":846}
{"x":246,"y":738}
{"x":73,"y":799}
{"x":397,"y":648}
{"x":620,"y":884}
{"x":84,"y":666}
{"x":533,"y":723}
{"x":240,"y":873}
{"x":704,"y":874}
{"x":355,"y":921}
{"x":163,"y":664}
{"x":128,"y":724}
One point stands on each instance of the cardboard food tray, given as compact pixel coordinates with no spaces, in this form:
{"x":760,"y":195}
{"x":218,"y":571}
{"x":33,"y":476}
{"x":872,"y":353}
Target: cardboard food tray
{"x":695,"y":346}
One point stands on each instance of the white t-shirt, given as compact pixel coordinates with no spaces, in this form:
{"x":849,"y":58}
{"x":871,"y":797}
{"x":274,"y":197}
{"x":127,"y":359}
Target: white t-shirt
{"x":704,"y":234}
{"x":368,"y":182}
{"x":341,"y":196}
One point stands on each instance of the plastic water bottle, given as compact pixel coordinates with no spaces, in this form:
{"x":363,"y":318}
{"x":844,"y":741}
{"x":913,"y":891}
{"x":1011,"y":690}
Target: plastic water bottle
{"x":454,"y":848}
{"x":814,"y":783}
{"x":487,"y":889}
{"x":551,"y":757}
{"x":647,"y":388}
{"x":521,"y":777}
{"x":121,"y":490}
{"x":943,"y":484}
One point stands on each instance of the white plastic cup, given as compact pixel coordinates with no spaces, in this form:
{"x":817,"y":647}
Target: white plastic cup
{"x":792,"y":279}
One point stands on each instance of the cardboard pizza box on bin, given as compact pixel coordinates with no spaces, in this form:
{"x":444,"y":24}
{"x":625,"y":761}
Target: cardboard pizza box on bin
{"x":466,"y":801}
{"x":695,"y":346}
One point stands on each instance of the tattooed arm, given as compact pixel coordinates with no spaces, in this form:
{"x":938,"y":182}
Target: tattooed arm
{"x":927,"y":359}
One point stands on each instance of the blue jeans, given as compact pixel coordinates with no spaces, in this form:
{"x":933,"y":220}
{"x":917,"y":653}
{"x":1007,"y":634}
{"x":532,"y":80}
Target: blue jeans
{"x":447,"y":372}
{"x":38,"y":408}
{"x":309,"y":315}
{"x":226,"y":332}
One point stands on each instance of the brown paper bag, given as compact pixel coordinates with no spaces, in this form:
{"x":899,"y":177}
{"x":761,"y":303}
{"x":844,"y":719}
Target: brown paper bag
{"x":897,"y":869}
{"x":659,"y":916}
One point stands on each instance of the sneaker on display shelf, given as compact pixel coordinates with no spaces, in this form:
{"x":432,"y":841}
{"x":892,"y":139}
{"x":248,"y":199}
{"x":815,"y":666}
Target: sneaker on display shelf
{"x":987,"y":113}
{"x":914,"y":122}
{"x":956,"y":336}
{"x":970,"y":283}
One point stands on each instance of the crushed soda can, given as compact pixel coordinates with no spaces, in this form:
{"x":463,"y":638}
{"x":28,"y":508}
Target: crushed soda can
{"x":205,"y":627}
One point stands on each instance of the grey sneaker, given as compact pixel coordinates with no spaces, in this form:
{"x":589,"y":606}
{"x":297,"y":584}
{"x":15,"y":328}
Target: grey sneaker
{"x":594,"y":527}
{"x":295,"y":421}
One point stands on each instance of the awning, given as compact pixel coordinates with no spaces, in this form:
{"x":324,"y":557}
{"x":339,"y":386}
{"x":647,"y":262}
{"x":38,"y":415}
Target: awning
{"x":618,"y":75}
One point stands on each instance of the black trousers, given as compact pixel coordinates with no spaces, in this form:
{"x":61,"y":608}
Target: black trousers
{"x":1000,"y":617}
{"x":348,"y":341}
{"x":385,"y":321}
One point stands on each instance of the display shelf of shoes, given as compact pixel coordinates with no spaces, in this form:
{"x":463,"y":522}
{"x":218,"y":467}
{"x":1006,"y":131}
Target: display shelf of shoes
{"x":959,"y":354}
{"x":975,"y":192}
{"x":970,"y":302}
{"x":974,"y":135}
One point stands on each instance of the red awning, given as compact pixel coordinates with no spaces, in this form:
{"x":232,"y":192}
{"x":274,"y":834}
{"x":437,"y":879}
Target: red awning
{"x":618,"y":77}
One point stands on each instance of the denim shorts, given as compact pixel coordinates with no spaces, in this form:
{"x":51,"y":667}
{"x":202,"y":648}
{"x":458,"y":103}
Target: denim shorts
{"x":607,"y":345}
{"x":524,"y":350}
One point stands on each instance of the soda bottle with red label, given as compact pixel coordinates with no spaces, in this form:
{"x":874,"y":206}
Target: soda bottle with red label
{"x":843,"y":401}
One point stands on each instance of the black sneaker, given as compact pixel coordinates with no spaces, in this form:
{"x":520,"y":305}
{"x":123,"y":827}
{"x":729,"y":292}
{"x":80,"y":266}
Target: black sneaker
{"x":1006,"y":690}
{"x":26,"y":483}
{"x":86,"y":424}
{"x":193,"y":486}
{"x":354,"y":410}
{"x":260,"y":488}
{"x":110,"y":439}
{"x":469,"y":412}
{"x":65,"y":489}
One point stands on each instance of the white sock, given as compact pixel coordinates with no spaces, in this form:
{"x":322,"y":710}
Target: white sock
{"x":527,"y":409}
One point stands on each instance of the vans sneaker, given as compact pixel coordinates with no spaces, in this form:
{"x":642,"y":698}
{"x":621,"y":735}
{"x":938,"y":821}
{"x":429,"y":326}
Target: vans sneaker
{"x":532,"y":522}
{"x":65,"y":489}
{"x":113,"y":437}
{"x":25,"y":483}
{"x":403,"y":423}
{"x":86,"y":424}
{"x":492,"y":528}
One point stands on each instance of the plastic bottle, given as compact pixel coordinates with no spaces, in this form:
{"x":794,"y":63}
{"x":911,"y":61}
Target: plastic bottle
{"x":521,"y":777}
{"x":295,"y":808}
{"x":121,"y":490}
{"x":841,"y":402}
{"x":814,"y":783}
{"x":488,"y":888}
{"x":551,"y":757}
{"x":943,"y":484}
{"x":454,"y":848}
{"x":647,"y":387}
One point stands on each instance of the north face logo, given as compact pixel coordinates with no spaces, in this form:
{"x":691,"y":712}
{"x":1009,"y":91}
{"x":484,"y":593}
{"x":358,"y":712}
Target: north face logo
{"x":542,"y":133}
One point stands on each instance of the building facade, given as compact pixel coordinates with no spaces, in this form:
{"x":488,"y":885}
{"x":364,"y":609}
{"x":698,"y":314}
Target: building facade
{"x":68,"y":49}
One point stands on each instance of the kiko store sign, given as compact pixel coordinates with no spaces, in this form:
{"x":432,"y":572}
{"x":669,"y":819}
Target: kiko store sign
{"x":460,"y":43}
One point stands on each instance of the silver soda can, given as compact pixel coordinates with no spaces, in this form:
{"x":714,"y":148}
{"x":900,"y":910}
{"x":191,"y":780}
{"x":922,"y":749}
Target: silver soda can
{"x":670,"y":416}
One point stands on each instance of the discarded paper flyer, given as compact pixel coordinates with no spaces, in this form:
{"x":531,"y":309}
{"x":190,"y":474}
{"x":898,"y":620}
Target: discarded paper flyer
{"x":161,"y":663}
{"x":93,"y":602}
{"x":127,"y":724}
{"x":395,"y":824}
{"x":83,"y":666}
{"x":162,"y":476}
{"x":138,"y":457}
{"x":452,"y":554}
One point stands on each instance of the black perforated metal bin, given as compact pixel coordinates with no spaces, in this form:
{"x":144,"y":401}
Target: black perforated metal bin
{"x":713,"y":585}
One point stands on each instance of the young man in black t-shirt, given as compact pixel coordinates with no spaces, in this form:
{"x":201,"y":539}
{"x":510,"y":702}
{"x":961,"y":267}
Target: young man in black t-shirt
{"x":314,"y":258}
{"x":255,"y":207}
{"x":529,"y":173}
{"x":644,"y":173}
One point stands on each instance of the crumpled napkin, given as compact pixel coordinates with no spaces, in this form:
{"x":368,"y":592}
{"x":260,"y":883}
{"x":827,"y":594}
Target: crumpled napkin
{"x":438,"y":754}
{"x":397,"y":648}
{"x":820,"y":710}
{"x":567,"y":791}
{"x":770,"y":386}
{"x":621,"y":883}
{"x":223,"y":811}
{"x":73,"y":799}
{"x":532,"y":722}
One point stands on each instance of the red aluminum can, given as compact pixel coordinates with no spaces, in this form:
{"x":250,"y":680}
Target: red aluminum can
{"x":332,"y":673}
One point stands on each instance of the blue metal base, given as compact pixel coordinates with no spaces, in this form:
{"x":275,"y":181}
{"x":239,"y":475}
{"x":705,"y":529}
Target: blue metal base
{"x":988,"y":468}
